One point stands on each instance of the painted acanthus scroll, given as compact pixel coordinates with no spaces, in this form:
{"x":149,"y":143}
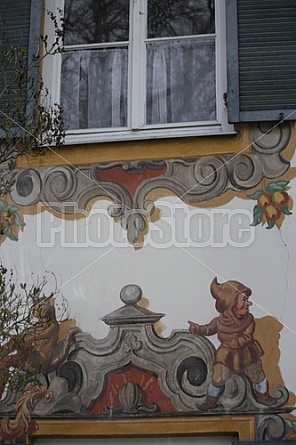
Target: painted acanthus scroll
{"x":128,"y":184}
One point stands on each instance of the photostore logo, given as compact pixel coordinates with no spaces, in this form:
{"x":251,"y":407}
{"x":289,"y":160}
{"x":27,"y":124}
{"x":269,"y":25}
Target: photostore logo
{"x":177,"y":226}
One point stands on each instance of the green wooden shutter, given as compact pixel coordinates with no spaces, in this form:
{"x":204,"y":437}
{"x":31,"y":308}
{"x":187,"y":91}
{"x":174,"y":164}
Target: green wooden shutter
{"x":20,"y":27}
{"x":261,"y":60}
{"x":15,"y":21}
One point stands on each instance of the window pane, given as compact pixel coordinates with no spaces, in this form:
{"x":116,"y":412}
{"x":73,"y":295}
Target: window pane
{"x":96,"y":21}
{"x":94,"y":88}
{"x":181,"y":81}
{"x":180,"y":17}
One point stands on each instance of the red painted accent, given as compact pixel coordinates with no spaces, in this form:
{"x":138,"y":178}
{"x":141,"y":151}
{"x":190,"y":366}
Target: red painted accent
{"x":130,"y":179}
{"x":145,"y":379}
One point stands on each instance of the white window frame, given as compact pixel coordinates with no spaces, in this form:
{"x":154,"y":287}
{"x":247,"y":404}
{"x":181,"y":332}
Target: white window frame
{"x":136,"y":129}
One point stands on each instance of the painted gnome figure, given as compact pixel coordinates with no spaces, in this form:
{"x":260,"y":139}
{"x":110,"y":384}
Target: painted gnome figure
{"x":239,"y":352}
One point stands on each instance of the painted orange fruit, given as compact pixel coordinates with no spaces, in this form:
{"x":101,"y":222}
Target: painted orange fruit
{"x":264,"y":200}
{"x":280,"y":199}
{"x":272,"y":213}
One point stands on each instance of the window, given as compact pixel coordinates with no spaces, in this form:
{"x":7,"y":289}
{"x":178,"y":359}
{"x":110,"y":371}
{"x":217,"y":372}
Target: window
{"x":141,"y":69}
{"x":146,"y":45}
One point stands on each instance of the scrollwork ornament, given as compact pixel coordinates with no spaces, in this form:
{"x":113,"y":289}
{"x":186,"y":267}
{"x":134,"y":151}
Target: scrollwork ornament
{"x":195,"y":180}
{"x":235,"y":392}
{"x":270,"y":137}
{"x":116,"y":210}
{"x":270,"y":427}
{"x":210,"y":171}
{"x":135,"y":220}
{"x":134,"y":224}
{"x":192,"y":376}
{"x":132,"y":344}
{"x":28,"y":187}
{"x":244,"y":171}
{"x":60,"y":184}
{"x":281,"y":393}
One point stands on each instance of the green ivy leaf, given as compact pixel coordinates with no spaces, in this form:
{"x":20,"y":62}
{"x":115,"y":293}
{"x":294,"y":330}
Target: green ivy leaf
{"x":277,"y":186}
{"x":270,"y":224}
{"x":258,"y":213}
{"x":285,"y":210}
{"x":256,"y":194}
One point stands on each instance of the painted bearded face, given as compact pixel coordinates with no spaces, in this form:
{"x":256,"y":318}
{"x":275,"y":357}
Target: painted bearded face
{"x":241,"y":308}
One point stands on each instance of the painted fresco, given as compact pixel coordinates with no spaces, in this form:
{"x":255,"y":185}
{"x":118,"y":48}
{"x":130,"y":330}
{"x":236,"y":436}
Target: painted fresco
{"x":68,"y":190}
{"x":135,"y":371}
{"x":180,"y":304}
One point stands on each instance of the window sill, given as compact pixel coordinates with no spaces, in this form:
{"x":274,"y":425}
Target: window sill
{"x":152,"y":149}
{"x":90,"y":137}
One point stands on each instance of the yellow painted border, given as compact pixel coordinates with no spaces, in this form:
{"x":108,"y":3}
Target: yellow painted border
{"x":243,"y":426}
{"x":142,"y":150}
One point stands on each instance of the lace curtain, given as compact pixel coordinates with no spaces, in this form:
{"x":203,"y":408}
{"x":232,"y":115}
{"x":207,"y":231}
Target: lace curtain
{"x":94,"y":88}
{"x":181,"y":82}
{"x":180,"y":85}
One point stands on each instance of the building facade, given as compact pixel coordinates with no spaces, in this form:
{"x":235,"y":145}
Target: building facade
{"x":165,"y":214}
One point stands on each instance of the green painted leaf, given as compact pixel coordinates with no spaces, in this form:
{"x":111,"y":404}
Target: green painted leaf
{"x":276,"y":186}
{"x":270,"y":224}
{"x":285,"y":210}
{"x":13,"y":209}
{"x":257,"y":215}
{"x":13,"y":237}
{"x":288,"y":423}
{"x":256,"y":194}
{"x":3,"y":205}
{"x":18,"y":221}
{"x":9,"y":234}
